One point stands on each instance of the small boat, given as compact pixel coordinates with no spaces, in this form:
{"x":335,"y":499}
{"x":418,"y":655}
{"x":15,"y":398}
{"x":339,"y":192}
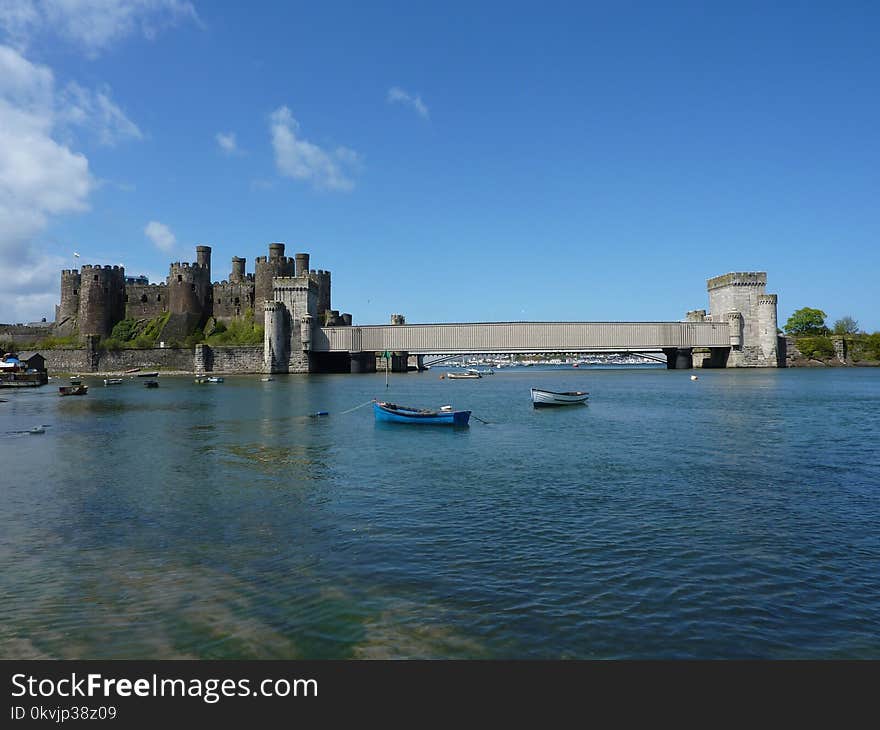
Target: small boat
{"x":392,"y":413}
{"x":200,"y":379}
{"x":267,"y":380}
{"x":481,"y":373}
{"x":214,"y":380}
{"x":132,"y":370}
{"x":151,"y":384}
{"x":463,"y":376}
{"x":78,"y":389}
{"x":576,"y":365}
{"x":37,"y":429}
{"x":152,"y":374}
{"x":112,"y":381}
{"x":552,"y":398}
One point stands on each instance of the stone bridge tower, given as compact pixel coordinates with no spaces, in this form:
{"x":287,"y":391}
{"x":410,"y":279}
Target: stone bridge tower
{"x":101,"y":299}
{"x":739,"y":300}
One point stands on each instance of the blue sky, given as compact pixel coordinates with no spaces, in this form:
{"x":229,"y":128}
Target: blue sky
{"x":450,"y":161}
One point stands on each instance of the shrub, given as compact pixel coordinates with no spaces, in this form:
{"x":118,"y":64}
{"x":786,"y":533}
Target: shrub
{"x":816,"y":347}
{"x":125,"y":330}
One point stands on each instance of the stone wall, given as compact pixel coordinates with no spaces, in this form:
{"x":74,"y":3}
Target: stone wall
{"x":110,"y":361}
{"x":235,"y":359}
{"x":24,"y":333}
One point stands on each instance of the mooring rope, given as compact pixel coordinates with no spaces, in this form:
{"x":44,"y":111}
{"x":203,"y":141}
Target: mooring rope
{"x":342,"y":413}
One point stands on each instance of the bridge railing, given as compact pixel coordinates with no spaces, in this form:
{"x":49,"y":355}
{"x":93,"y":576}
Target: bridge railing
{"x":487,"y":337}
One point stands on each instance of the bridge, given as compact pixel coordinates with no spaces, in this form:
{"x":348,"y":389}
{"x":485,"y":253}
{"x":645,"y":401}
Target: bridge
{"x":739,"y":332}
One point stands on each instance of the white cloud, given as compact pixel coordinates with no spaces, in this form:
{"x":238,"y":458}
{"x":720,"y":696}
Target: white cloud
{"x":160,"y":235}
{"x":396,"y":95}
{"x":96,"y":111}
{"x":227,"y":142}
{"x":93,"y":25}
{"x":302,"y":160}
{"x":39,"y":178}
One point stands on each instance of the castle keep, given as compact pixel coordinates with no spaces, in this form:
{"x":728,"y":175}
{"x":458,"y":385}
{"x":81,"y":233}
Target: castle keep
{"x":94,"y":298}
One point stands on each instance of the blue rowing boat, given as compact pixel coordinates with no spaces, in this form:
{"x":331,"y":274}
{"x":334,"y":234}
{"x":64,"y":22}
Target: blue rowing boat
{"x":393,"y":413}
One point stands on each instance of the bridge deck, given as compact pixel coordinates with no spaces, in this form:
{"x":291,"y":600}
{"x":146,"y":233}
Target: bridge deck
{"x":488,"y":337}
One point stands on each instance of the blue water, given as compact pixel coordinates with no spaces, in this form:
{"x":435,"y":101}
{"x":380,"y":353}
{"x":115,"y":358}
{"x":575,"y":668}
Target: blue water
{"x":735,"y":516}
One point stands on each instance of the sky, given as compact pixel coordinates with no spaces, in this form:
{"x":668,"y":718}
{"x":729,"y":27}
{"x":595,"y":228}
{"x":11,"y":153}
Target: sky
{"x":454,"y":161}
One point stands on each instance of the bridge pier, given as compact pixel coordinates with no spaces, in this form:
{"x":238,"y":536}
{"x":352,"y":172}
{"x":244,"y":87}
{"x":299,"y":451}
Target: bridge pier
{"x":679,"y":358}
{"x":363,"y":362}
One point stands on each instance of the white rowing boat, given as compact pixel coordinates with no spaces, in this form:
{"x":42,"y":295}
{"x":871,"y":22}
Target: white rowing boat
{"x":552,"y":398}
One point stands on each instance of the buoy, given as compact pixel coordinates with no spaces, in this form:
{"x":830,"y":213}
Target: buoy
{"x":694,"y":377}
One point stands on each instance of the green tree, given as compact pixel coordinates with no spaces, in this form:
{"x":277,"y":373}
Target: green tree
{"x":872,"y":345}
{"x":806,"y":321}
{"x":846,"y":326}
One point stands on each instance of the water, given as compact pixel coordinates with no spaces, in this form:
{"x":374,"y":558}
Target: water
{"x":735,"y":516}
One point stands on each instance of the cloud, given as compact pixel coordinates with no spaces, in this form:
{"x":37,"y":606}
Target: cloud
{"x":96,"y":111}
{"x":39,"y":178}
{"x":300,"y":159}
{"x":396,"y":95}
{"x":93,"y":25}
{"x":227,"y":142}
{"x":160,"y":235}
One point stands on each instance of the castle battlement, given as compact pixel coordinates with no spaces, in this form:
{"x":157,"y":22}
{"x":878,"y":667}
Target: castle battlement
{"x":738,"y":278}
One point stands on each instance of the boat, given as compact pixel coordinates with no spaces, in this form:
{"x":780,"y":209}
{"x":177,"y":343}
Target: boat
{"x":131,"y":370}
{"x":463,"y":376}
{"x":392,"y":413}
{"x":152,"y":374}
{"x":267,"y":380}
{"x":151,"y":384}
{"x":214,"y":379}
{"x":200,"y":379}
{"x":112,"y":381}
{"x":552,"y":398}
{"x":78,"y":389}
{"x":474,"y":371}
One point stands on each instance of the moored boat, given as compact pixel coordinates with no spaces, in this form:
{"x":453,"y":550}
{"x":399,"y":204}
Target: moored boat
{"x":481,"y":373}
{"x":152,"y":374}
{"x":78,"y":389}
{"x":214,"y":379}
{"x":393,"y":413}
{"x":112,"y":381}
{"x":553,"y":398}
{"x":151,"y":384}
{"x":463,"y":376}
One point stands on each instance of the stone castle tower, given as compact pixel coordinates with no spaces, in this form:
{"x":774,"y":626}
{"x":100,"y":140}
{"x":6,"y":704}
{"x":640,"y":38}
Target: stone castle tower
{"x":740,"y":300}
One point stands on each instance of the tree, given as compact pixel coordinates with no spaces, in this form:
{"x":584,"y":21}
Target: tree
{"x":846,"y":326}
{"x":806,"y":321}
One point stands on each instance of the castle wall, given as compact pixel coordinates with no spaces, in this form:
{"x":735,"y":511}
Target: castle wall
{"x":68,"y":310}
{"x":145,"y":301}
{"x":232,"y":299}
{"x":232,"y":359}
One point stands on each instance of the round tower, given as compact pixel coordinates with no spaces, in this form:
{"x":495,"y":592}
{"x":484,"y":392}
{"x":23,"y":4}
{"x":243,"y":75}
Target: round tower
{"x":302,"y":264}
{"x":322,"y":279}
{"x":101,"y":299}
{"x":767,"y":325}
{"x":265,"y":269}
{"x":276,"y":357}
{"x":188,"y":289}
{"x":398,"y":319}
{"x":70,"y":286}
{"x":735,"y":322}
{"x":237,"y":275}
{"x":203,"y":259}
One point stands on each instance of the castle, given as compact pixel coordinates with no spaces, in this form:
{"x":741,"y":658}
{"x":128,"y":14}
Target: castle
{"x":95,"y":298}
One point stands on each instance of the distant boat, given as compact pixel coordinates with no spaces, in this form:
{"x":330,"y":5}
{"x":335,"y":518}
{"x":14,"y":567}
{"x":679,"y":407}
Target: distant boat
{"x":214,"y":380}
{"x":151,"y":384}
{"x":267,"y":379}
{"x":201,"y":379}
{"x":112,"y":381}
{"x":132,"y":370}
{"x":153,"y":374}
{"x":392,"y":413}
{"x":576,"y":365}
{"x":463,"y":376}
{"x":542,"y":398}
{"x":77,"y":389}
{"x":474,"y":371}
